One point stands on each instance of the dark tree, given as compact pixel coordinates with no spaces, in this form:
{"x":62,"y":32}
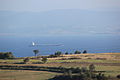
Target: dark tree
{"x":26,"y":60}
{"x":36,"y":52}
{"x":9,"y":55}
{"x":6,"y":55}
{"x":118,"y":76}
{"x":58,"y":53}
{"x":85,"y":51}
{"x":66,"y":53}
{"x":77,"y":52}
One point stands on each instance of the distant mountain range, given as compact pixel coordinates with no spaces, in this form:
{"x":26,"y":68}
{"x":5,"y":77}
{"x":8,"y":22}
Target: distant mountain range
{"x":59,"y":20}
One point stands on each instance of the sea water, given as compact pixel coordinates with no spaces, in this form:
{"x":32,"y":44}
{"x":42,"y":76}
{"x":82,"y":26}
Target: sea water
{"x":20,"y":46}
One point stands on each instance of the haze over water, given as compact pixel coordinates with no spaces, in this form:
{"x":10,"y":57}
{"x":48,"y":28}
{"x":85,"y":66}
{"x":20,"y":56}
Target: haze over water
{"x":20,"y":46}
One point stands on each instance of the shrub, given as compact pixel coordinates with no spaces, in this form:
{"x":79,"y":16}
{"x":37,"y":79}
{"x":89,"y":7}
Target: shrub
{"x":91,"y":67}
{"x":66,"y":53}
{"x":6,"y":55}
{"x":77,"y":52}
{"x":58,"y":53}
{"x":52,"y":56}
{"x":26,"y":60}
{"x":81,"y":74}
{"x":85,"y":51}
{"x":118,"y":76}
{"x":44,"y":59}
{"x":89,"y":58}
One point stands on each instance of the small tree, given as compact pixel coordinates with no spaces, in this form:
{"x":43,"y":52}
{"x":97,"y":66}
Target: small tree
{"x":6,"y":55}
{"x":36,"y":52}
{"x":85,"y":51}
{"x":9,"y":55}
{"x":66,"y":53}
{"x":58,"y":53}
{"x":77,"y":52}
{"x":91,"y":67}
{"x":26,"y":60}
{"x":70,"y":73}
{"x":44,"y":59}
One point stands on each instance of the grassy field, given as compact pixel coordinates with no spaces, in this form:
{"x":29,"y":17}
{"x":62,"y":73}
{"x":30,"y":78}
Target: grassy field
{"x":60,"y":60}
{"x":108,"y":62}
{"x":25,"y":75}
{"x":44,"y":75}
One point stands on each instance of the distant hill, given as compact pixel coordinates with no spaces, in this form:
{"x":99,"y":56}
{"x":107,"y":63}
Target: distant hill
{"x":59,"y":17}
{"x":68,"y":19}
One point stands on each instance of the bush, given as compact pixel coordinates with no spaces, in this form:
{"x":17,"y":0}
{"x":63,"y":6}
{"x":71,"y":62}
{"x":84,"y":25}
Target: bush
{"x":85,"y":51}
{"x":66,"y":53}
{"x":77,"y":52}
{"x":118,"y":76}
{"x":44,"y":59}
{"x":80,"y":74}
{"x":26,"y":60}
{"x":6,"y":55}
{"x":91,"y":67}
{"x":52,"y":56}
{"x":58,"y":53}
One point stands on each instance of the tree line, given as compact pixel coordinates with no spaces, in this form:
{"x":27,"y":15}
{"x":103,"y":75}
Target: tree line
{"x":6,"y":55}
{"x":58,"y":53}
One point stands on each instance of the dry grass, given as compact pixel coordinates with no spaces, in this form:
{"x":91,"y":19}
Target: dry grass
{"x":25,"y":75}
{"x":108,"y":56}
{"x":108,"y":62}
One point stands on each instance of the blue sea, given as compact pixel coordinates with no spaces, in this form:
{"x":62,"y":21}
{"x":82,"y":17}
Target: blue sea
{"x":20,"y":46}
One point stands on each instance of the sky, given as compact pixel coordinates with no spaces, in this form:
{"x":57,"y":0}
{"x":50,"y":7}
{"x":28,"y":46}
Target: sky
{"x":45,"y":5}
{"x":15,"y":17}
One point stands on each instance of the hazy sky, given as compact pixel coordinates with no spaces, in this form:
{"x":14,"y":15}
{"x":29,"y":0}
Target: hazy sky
{"x":36,"y":23}
{"x":45,"y":5}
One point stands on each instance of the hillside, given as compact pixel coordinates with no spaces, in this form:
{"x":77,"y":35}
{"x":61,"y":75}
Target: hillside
{"x":107,"y":63}
{"x":97,"y":56}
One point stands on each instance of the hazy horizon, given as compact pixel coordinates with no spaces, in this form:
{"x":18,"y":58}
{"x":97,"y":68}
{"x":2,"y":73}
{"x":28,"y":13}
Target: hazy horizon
{"x":59,"y":18}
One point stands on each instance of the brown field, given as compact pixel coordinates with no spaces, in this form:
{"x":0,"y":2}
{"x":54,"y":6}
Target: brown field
{"x":25,"y":75}
{"x":107,"y":56}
